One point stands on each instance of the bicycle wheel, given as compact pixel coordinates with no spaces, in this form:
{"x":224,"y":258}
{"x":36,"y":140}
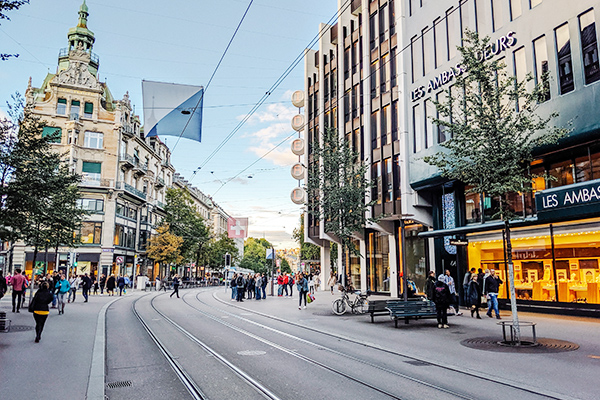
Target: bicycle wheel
{"x":338,"y":306}
{"x":360,"y":306}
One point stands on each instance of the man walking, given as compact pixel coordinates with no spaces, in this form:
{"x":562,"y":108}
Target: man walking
{"x":263,"y":286}
{"x":85,"y":288}
{"x":18,"y":286}
{"x":175,"y":286}
{"x":492,"y":285}
{"x":240,"y":287}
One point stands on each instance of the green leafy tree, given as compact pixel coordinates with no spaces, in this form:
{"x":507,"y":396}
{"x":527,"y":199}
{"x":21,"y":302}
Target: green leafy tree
{"x":255,"y":253}
{"x":494,"y":128}
{"x":284,"y":265}
{"x":308,"y":251}
{"x":9,"y":5}
{"x":338,"y":188}
{"x":220,"y":246}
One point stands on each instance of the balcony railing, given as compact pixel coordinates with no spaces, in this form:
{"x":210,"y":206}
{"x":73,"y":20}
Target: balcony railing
{"x":160,"y":182}
{"x":127,"y":159}
{"x":130,"y":189}
{"x":64,"y":52}
{"x":108,"y":183}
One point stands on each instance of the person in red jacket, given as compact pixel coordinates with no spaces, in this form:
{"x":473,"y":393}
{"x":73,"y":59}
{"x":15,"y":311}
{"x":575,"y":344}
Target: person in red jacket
{"x":280,"y":286}
{"x":18,"y":284}
{"x":286,"y":282}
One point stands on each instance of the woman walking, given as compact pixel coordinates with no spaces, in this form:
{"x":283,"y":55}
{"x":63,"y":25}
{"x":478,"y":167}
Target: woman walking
{"x":102,"y":284}
{"x":63,"y":288}
{"x":110,"y":285}
{"x":331,"y":281}
{"x":474,"y":295}
{"x":302,"y":286}
{"x":39,"y":304}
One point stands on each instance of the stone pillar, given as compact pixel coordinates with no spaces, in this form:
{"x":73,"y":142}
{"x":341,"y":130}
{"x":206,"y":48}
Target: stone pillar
{"x":394,"y":266}
{"x":325,"y":264}
{"x":363,"y":264}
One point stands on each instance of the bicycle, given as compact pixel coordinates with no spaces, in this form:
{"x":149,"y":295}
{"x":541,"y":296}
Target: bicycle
{"x":357,"y":306}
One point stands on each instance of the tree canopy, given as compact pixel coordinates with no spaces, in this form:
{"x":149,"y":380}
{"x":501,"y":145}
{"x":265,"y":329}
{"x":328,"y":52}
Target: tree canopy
{"x":165,"y":247}
{"x":255,"y":253}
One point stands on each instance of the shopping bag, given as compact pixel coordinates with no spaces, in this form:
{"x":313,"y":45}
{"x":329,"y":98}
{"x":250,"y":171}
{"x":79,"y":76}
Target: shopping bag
{"x":309,"y":299}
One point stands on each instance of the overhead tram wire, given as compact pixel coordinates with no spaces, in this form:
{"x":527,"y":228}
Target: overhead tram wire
{"x":278,"y":82}
{"x":213,"y":75}
{"x":321,"y":33}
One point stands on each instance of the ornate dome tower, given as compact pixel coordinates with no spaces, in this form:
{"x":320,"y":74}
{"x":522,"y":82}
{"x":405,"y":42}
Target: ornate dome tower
{"x":81,"y":39}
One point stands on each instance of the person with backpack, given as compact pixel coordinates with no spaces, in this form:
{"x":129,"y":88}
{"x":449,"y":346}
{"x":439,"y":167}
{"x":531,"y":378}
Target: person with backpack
{"x":442,"y":299}
{"x":233,"y":285}
{"x":240,"y":283}
{"x":291,"y":284}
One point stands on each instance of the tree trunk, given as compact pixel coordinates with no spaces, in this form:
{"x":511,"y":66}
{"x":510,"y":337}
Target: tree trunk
{"x":45,"y":260}
{"x":511,"y":279}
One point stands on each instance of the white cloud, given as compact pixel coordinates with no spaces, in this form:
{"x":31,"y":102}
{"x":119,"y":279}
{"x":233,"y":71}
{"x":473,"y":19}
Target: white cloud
{"x":272,"y":113}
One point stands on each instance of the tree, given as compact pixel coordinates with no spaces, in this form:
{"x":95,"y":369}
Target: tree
{"x":308,"y":251}
{"x":38,"y":190}
{"x":285,"y":265}
{"x":255,"y":254}
{"x":185,"y":222}
{"x":9,"y":5}
{"x":165,"y":247}
{"x":338,"y":184}
{"x":219,"y":247}
{"x":494,"y":128}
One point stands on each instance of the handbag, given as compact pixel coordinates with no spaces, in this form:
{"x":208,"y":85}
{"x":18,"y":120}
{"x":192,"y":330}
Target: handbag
{"x":30,"y":307}
{"x":483,"y":299}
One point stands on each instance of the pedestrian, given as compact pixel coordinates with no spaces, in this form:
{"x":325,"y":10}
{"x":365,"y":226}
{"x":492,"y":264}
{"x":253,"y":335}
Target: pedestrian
{"x":317,"y":281}
{"x":251,"y":286}
{"x":86,"y":284}
{"x":157,"y":283}
{"x":332,"y":281}
{"x":175,"y":286}
{"x":39,"y":306}
{"x":164,"y":283}
{"x":18,"y":288}
{"x":102,"y":284}
{"x":25,"y":286}
{"x":430,"y":285}
{"x":474,"y":295}
{"x":127,"y":281}
{"x":63,"y":288}
{"x":449,"y":280}
{"x":302,"y":286}
{"x":442,"y":299}
{"x":74,"y":282}
{"x":492,"y":285}
{"x":263,"y":286}
{"x":466,"y":282}
{"x":291,"y":283}
{"x":311,"y":284}
{"x":257,"y":285}
{"x":121,"y":285}
{"x":233,"y":286}
{"x":279,"y":285}
{"x":110,"y":285}
{"x":286,"y":283}
{"x":240,"y":282}
{"x":95,"y":284}
{"x":55,"y":280}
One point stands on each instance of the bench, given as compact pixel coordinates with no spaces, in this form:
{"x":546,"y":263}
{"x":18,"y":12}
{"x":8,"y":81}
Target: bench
{"x":4,"y":322}
{"x":377,"y":307}
{"x":417,"y":308}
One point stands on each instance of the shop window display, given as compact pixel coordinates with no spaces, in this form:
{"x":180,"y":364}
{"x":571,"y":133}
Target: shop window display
{"x":569,"y":274}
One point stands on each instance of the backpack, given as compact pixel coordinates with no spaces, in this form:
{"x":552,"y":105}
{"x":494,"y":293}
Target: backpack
{"x":441,"y":293}
{"x":239,"y":281}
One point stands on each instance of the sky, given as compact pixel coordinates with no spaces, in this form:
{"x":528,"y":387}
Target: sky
{"x":181,"y":41}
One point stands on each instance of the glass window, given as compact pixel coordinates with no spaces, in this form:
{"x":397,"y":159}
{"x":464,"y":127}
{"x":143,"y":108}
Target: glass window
{"x":88,"y":110}
{"x":565,"y":66}
{"x":533,"y":3}
{"x":441,"y":50}
{"x":374,"y":67}
{"x":393,"y":79}
{"x":346,"y":107}
{"x":75,"y":108}
{"x":326,"y":88}
{"x":515,"y":9}
{"x":442,"y":131}
{"x":389,"y":190}
{"x":473,"y":207}
{"x":497,"y":14}
{"x":347,"y":63}
{"x":61,"y":106}
{"x":429,"y":126}
{"x":417,"y":58}
{"x":354,"y":56}
{"x":417,"y":128}
{"x":395,"y":120}
{"x":54,"y":133}
{"x":94,"y":140}
{"x":91,"y":171}
{"x":540,"y":53}
{"x":94,"y":205}
{"x":520,"y":70}
{"x":385,"y":134}
{"x":587,"y":25}
{"x":392,"y":18}
{"x":378,"y":269}
{"x":376,"y":177}
{"x":375,"y":135}
{"x":383,"y":74}
{"x":91,"y":232}
{"x":427,"y":47}
{"x":595,"y":165}
{"x":562,"y":172}
{"x":397,"y":188}
{"x":453,"y":32}
{"x":372,"y":31}
{"x":355,"y":101}
{"x":583,"y":169}
{"x":383,"y":22}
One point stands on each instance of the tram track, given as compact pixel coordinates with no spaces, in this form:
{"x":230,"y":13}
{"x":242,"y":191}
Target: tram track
{"x":463,"y":372}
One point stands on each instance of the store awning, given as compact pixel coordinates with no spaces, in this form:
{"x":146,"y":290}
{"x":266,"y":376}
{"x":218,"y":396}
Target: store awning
{"x":489,"y":226}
